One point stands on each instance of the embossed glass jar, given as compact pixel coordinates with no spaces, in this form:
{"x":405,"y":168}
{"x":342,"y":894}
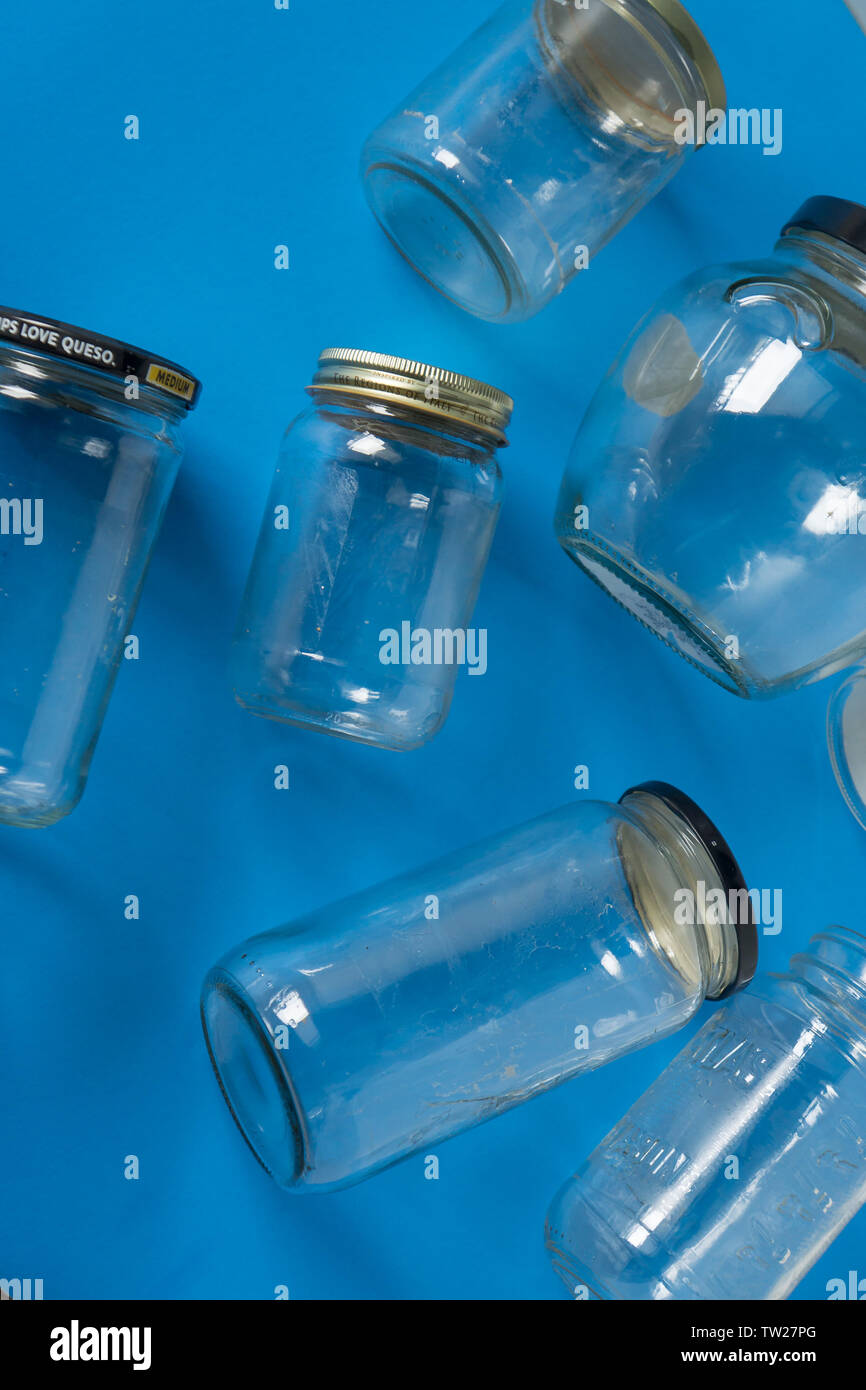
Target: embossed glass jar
{"x":403,"y":1015}
{"x":89,"y":450}
{"x":530,"y":147}
{"x":775,"y":1082}
{"x":355,"y":620}
{"x":717,"y":485}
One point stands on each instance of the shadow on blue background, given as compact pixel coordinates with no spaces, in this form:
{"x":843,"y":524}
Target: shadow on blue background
{"x":251,"y":123}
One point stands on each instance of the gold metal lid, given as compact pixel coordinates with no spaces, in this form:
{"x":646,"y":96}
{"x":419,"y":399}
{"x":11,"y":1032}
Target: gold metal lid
{"x":433,"y":390}
{"x":625,"y":61}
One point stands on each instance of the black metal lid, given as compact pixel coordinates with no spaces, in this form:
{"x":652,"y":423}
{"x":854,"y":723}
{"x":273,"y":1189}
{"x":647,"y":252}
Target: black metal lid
{"x":729,"y":871}
{"x":66,"y":343}
{"x":834,"y":217}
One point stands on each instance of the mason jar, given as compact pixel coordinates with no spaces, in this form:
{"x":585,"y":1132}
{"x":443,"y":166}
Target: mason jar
{"x":355,"y":620}
{"x":380,"y":1026}
{"x":717,"y":486}
{"x":742,"y":1163}
{"x":509,"y":168}
{"x":89,"y":449}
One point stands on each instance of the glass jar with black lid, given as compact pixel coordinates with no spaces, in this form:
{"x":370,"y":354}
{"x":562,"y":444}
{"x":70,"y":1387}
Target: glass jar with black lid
{"x":89,"y":450}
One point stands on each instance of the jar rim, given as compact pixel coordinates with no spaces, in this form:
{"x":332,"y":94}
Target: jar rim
{"x":691,"y":36}
{"x":657,"y":21}
{"x":111,"y":357}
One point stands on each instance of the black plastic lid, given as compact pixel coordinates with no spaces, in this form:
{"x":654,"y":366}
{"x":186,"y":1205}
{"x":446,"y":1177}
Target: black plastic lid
{"x":66,"y":343}
{"x":728,"y":869}
{"x":835,"y":217}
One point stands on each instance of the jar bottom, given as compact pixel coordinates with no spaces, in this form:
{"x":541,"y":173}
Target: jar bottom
{"x":354,"y":724}
{"x":660,"y":614}
{"x":30,"y":806}
{"x":574,"y":1225}
{"x":445,"y":243}
{"x":251,"y":1080}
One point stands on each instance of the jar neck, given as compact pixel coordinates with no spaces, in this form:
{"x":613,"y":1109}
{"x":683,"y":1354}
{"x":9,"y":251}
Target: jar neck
{"x":429,"y":429}
{"x":832,"y":260}
{"x":681,"y":897}
{"x":833,"y":973}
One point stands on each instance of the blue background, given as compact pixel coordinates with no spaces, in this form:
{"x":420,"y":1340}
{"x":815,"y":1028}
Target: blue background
{"x":251,"y":123}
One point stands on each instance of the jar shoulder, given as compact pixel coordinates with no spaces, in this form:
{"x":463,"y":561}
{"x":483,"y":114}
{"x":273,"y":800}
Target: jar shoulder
{"x":359,"y":441}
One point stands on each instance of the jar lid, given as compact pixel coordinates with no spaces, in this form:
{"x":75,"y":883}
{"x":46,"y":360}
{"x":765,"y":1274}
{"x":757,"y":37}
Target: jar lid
{"x":833,"y":217}
{"x":729,"y":871}
{"x":66,"y":343}
{"x":617,"y":54}
{"x":352,"y":372}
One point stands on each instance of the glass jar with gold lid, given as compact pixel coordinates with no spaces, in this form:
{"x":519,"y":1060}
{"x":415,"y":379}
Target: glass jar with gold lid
{"x":375,"y":536}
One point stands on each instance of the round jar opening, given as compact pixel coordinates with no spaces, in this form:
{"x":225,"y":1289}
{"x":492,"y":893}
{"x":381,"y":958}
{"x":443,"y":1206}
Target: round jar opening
{"x":250,"y":1077}
{"x":641,"y":62}
{"x":688,"y":889}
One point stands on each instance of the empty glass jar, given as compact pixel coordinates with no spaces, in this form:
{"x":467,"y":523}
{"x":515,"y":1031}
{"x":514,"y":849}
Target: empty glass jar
{"x":744,"y":1160}
{"x":520,"y":157}
{"x":89,"y":449}
{"x":717,"y":485}
{"x":398,"y":1017}
{"x":375,"y":536}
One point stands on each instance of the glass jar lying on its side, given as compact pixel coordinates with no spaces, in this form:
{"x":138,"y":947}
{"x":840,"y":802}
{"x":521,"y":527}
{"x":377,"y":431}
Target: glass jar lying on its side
{"x":89,"y":450}
{"x":535,"y":142}
{"x":399,"y":1017}
{"x":371,"y":551}
{"x":717,"y":485}
{"x":774,"y":1083}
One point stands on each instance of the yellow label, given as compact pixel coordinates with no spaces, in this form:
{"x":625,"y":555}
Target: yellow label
{"x":170,"y":381}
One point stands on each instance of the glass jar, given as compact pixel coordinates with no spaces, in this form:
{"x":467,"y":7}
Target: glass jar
{"x":398,"y":1017}
{"x":717,"y":485}
{"x":89,"y":450}
{"x":371,"y":551}
{"x":744,"y":1160}
{"x":520,"y":157}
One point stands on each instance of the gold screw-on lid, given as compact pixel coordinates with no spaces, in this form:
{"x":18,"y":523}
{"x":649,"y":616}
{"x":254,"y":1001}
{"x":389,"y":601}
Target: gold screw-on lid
{"x":433,"y":390}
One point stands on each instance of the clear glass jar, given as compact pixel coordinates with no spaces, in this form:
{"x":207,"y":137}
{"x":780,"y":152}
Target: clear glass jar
{"x":737,"y":1168}
{"x":520,"y":157}
{"x":716,"y":484}
{"x":400,"y":1016}
{"x":89,"y":449}
{"x":373,"y":543}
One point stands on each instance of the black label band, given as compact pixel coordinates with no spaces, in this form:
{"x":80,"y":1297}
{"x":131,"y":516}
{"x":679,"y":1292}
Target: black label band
{"x":67,"y":343}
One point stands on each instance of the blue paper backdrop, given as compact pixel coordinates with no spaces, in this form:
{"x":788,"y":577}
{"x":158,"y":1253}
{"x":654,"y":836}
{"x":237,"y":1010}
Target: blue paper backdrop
{"x":251,"y":122}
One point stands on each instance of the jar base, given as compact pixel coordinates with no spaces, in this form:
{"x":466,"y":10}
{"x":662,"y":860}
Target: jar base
{"x":250,"y":1078}
{"x":34,"y":815}
{"x":445,"y":242}
{"x":660,"y":614}
{"x":346,"y":724}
